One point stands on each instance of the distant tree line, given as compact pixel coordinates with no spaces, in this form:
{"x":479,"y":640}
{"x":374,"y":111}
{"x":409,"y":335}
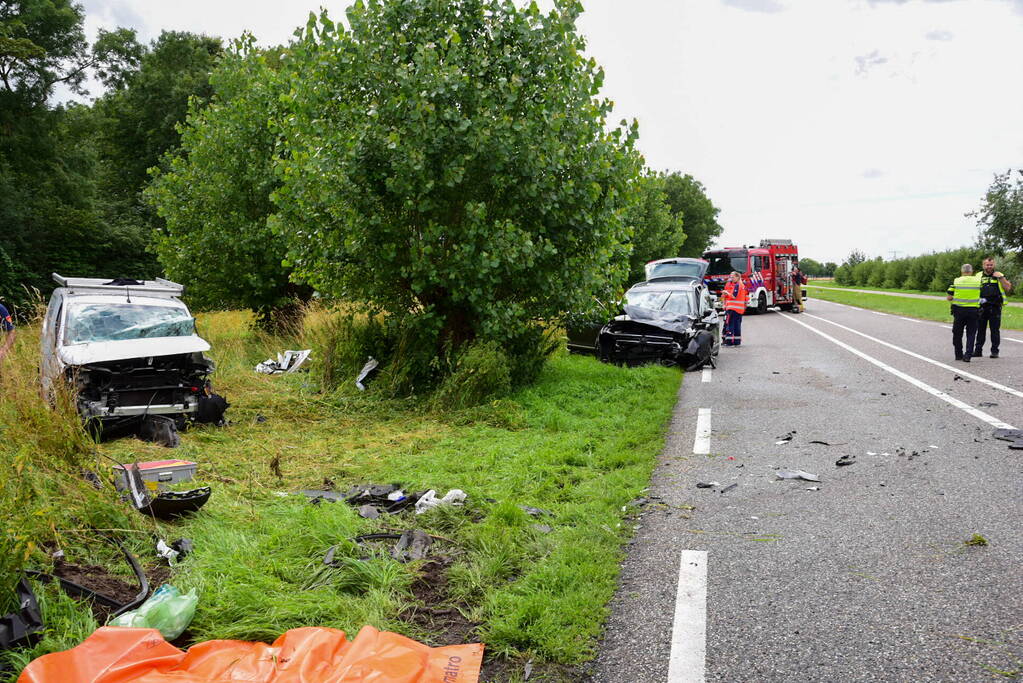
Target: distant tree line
{"x":812,"y":268}
{"x":929,"y":272}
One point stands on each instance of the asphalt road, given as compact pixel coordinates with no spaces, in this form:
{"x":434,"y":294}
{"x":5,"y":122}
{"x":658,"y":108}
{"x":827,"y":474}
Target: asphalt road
{"x":1016,"y":304}
{"x":867,"y":578}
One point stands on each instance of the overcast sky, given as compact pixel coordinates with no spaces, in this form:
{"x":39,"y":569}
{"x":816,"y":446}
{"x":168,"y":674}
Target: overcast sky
{"x":840,"y":124}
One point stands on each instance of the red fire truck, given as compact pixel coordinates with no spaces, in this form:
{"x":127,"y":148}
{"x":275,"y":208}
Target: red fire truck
{"x":766,"y":270}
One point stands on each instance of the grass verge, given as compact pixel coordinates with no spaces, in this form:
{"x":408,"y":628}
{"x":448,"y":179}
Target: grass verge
{"x":581,"y":442}
{"x":926,"y":309}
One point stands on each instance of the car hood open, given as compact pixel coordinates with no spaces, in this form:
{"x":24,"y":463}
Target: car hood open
{"x":664,"y":320}
{"x":98,"y":352}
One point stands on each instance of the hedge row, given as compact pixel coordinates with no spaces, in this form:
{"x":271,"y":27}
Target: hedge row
{"x":929,"y":272}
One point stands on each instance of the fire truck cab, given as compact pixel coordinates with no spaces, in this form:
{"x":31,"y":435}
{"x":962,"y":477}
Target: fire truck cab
{"x":766,"y":271}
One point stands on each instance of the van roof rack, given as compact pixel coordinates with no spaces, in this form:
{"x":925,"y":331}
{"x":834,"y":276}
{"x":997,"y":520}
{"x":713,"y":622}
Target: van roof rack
{"x":97,"y":285}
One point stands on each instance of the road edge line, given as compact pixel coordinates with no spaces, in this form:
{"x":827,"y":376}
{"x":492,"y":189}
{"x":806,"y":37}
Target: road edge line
{"x":965,"y":407}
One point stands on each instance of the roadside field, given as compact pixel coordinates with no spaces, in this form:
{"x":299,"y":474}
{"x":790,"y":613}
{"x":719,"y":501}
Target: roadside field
{"x":580,"y":444}
{"x":1012,"y":317}
{"x":833,"y":285}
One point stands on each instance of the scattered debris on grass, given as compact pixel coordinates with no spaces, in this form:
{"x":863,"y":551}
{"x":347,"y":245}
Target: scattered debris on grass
{"x":796,"y":474}
{"x":535,"y":512}
{"x":286,"y":362}
{"x":21,"y":628}
{"x":429,"y":500}
{"x":370,"y":369}
{"x":160,"y":430}
{"x":168,"y":610}
{"x":976,"y":540}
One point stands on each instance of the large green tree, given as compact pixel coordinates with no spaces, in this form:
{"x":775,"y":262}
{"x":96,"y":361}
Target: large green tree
{"x":1001,"y":213}
{"x":656,"y":232}
{"x":688,"y":200}
{"x":214,"y":193}
{"x":452,"y":158}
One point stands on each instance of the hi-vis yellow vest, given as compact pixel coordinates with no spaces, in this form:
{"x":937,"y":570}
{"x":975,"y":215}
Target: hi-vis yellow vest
{"x":965,"y":291}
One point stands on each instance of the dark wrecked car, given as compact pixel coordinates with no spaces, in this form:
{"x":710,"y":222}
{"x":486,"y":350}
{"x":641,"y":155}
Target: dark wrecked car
{"x":130,"y":351}
{"x":669,"y":319}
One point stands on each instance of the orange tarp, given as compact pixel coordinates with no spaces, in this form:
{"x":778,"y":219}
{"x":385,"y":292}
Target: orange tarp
{"x":301,"y":655}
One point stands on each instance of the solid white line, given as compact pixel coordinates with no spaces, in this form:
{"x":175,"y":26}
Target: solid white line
{"x":878,"y":313}
{"x":701,"y":445}
{"x":979,"y":414}
{"x":706,"y":375}
{"x":689,"y":630}
{"x":978,"y":378}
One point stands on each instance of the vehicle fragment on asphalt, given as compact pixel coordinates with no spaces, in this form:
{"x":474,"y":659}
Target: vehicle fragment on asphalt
{"x":1014,"y":436}
{"x":846,"y":460}
{"x":796,"y":474}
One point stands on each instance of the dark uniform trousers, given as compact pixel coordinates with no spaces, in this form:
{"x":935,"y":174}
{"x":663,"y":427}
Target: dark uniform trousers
{"x":964,"y":318}
{"x":990,"y":315}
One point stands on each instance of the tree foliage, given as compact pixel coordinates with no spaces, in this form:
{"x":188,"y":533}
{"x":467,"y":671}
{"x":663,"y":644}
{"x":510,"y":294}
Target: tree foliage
{"x":1001,"y":213}
{"x":688,"y":200}
{"x":452,"y":158}
{"x":215,"y":192}
{"x":656,"y":232}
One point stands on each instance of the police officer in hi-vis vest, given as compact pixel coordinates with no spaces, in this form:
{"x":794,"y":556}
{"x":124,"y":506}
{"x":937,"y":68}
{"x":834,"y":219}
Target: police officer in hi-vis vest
{"x":993,"y":288}
{"x":965,"y":297}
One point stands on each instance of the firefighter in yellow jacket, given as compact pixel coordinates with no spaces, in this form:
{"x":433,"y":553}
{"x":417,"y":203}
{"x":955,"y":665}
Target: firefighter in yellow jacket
{"x":734,"y":296}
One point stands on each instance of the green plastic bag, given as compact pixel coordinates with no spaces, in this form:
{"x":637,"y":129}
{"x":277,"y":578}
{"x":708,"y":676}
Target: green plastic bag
{"x":167,"y":609}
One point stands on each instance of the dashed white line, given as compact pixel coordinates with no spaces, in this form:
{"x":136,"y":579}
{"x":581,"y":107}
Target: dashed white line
{"x":979,"y":414}
{"x":707,"y":376}
{"x":689,"y":630}
{"x":960,"y":371}
{"x":701,"y":444}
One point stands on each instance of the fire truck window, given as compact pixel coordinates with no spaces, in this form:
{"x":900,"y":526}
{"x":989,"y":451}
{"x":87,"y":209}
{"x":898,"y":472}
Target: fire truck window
{"x":725,"y":263}
{"x":758,"y":263}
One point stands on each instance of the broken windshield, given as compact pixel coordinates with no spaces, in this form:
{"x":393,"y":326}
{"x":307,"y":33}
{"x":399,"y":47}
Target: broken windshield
{"x":102,"y":322}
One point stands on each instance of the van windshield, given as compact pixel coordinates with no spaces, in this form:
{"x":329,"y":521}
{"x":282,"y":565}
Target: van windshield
{"x":725,"y":262}
{"x":102,"y":322}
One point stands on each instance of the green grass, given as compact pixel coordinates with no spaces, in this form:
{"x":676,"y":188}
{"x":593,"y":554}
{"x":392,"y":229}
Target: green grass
{"x":833,"y":285}
{"x":581,"y":442}
{"x":926,"y":309}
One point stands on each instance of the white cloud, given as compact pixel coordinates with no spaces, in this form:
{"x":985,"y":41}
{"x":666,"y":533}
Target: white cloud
{"x":766,"y":108}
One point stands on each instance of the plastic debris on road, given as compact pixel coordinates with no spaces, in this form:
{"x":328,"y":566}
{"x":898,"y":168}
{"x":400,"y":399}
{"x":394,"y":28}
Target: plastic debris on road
{"x":796,"y":474}
{"x":1014,"y":436}
{"x":430,"y":500}
{"x":286,"y":362}
{"x":707,"y":484}
{"x":729,"y":488}
{"x":846,"y":460}
{"x":168,"y":610}
{"x":301,"y":655}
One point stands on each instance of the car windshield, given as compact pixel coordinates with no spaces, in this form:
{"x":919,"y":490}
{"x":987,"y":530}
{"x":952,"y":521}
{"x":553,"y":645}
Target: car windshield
{"x":675,"y":302}
{"x":647,"y":299}
{"x":674,"y":270}
{"x":102,"y":322}
{"x":724,"y":263}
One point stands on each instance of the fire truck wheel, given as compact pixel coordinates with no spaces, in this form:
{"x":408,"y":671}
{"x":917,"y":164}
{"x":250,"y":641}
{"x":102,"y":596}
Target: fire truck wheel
{"x":762,"y":304}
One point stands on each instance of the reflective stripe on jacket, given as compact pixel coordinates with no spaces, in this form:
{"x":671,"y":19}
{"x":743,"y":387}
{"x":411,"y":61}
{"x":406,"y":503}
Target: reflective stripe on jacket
{"x":965,"y":291}
{"x":736,"y":302}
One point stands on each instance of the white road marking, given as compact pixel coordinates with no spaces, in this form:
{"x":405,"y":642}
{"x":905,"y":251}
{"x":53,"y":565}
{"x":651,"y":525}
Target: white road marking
{"x":689,"y":630}
{"x":701,"y":445}
{"x":878,"y":313}
{"x":979,"y":414}
{"x":707,"y":375}
{"x":978,"y":378}
{"x":914,"y":320}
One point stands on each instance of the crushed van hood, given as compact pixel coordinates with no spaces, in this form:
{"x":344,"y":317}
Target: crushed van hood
{"x":98,"y":352}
